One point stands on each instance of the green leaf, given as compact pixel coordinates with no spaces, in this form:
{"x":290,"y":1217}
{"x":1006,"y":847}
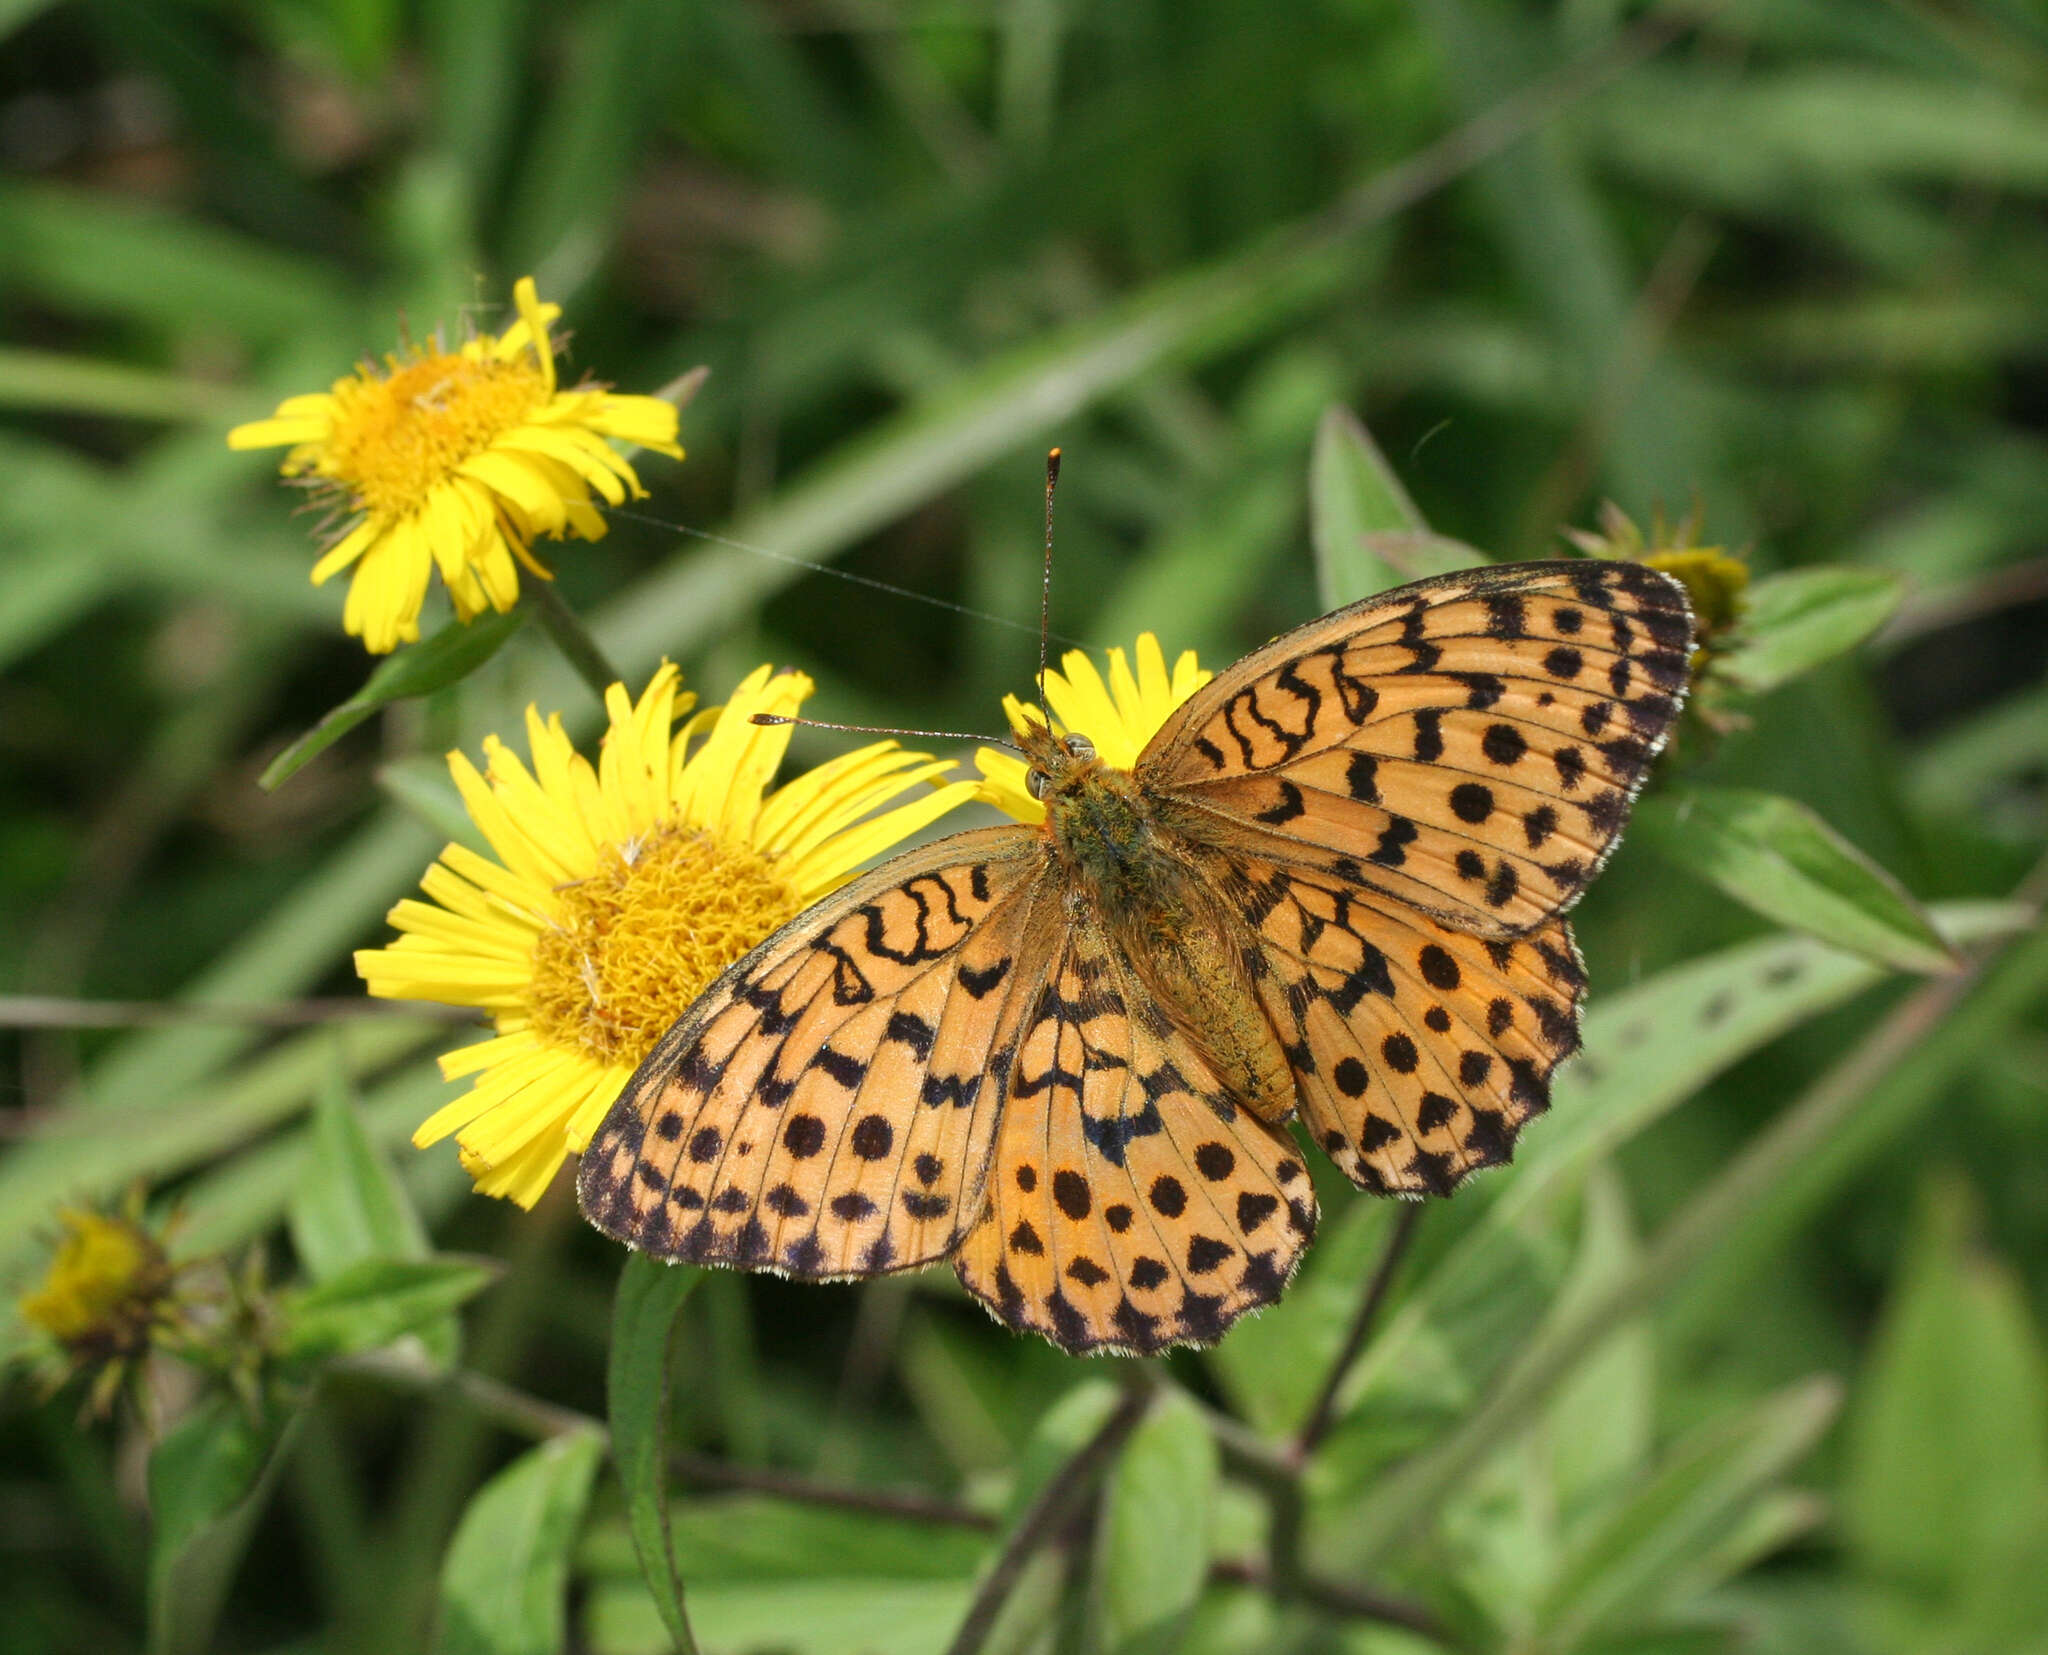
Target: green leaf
{"x":1058,"y":1436}
{"x":758,"y":1537}
{"x":372,"y":1303}
{"x":78,"y":384}
{"x":1272,"y":1365}
{"x":207,"y":1482}
{"x":650,"y":1294}
{"x":1621,"y":1571}
{"x":821,"y":1615}
{"x":1152,"y":1549}
{"x":1419,"y":556}
{"x":1352,"y":493}
{"x":1647,"y":1049}
{"x":1795,"y":621}
{"x":348,"y":1205}
{"x":449,"y":656}
{"x":1777,"y":857}
{"x":81,"y":251}
{"x":1602,"y":1423}
{"x":1948,"y":1446}
{"x":504,"y":1582}
{"x":424,"y":789}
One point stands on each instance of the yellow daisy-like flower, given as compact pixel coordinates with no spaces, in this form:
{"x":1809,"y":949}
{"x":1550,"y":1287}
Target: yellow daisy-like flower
{"x":457,"y":460}
{"x":1119,"y":716}
{"x":619,"y":892}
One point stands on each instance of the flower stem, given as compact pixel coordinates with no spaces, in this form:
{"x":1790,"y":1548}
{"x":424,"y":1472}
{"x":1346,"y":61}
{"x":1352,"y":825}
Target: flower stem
{"x":571,"y":637}
{"x":1324,"y":1413}
{"x":1056,"y":1502}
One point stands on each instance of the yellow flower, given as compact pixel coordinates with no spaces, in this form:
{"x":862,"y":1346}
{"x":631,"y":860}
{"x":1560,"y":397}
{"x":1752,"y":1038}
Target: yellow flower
{"x":619,"y":892}
{"x":1119,"y":716}
{"x":458,"y":459}
{"x":102,"y":1292}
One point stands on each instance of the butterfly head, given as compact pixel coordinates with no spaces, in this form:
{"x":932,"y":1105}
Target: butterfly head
{"x":1055,"y":761}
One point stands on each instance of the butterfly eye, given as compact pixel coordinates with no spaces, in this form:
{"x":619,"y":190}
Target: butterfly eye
{"x":1079,"y":745}
{"x":1035,"y":783}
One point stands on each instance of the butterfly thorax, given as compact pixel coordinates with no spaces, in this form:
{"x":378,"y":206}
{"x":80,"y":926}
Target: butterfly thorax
{"x":1132,"y":874}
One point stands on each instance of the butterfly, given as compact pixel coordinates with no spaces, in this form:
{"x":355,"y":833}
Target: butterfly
{"x":1331,"y":890}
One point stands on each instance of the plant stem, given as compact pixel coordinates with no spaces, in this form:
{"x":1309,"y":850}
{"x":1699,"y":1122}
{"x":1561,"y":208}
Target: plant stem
{"x":909,"y":1504}
{"x":571,"y":636}
{"x":1045,"y":1516}
{"x":1324,"y":1413}
{"x":50,"y":1011}
{"x":1336,"y":1598}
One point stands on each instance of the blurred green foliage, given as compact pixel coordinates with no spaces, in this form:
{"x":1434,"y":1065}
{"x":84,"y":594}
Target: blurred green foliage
{"x":1746,"y":1352}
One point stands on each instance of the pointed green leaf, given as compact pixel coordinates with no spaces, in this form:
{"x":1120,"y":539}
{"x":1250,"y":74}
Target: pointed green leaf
{"x":504,"y":1583}
{"x":1621,"y":1570}
{"x":207,"y":1483}
{"x":1949,"y":1445}
{"x":349,"y":1205}
{"x":1419,"y":556}
{"x":372,"y":1303}
{"x":1602,"y":1423}
{"x":1152,"y":1549}
{"x":449,"y":656}
{"x":1793,"y":622}
{"x":1058,"y":1436}
{"x":1776,"y":856}
{"x":1352,"y":493}
{"x":650,"y":1294}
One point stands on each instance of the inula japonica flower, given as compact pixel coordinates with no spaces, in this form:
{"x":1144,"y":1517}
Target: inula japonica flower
{"x":617,"y":893}
{"x":457,"y":460}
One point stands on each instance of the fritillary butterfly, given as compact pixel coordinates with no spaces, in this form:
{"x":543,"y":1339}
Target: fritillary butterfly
{"x":1332,"y":887}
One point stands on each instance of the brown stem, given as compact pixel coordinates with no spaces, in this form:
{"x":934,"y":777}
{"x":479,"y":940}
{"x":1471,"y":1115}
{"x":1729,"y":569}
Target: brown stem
{"x":881,"y":1502}
{"x":1336,"y":1597}
{"x":1044,"y":1518}
{"x":1324,"y":1413}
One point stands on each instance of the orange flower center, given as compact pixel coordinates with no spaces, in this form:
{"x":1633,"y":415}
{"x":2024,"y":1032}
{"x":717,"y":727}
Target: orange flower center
{"x":635,"y":943}
{"x":394,"y":438}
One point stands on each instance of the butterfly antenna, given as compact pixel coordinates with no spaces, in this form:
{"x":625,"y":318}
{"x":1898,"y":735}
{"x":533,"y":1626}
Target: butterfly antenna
{"x":772,"y":719}
{"x":1052,"y":481}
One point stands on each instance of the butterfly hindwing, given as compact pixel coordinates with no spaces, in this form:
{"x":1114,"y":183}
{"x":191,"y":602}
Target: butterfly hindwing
{"x":1418,"y":1051}
{"x":828,"y":1106}
{"x":1468,"y":745}
{"x":1132,"y":1204}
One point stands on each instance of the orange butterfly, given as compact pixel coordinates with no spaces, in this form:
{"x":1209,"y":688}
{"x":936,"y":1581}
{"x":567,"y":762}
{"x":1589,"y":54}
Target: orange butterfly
{"x":1332,"y":887}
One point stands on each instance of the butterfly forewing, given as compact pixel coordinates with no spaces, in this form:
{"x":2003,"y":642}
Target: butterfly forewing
{"x":1132,"y":1204}
{"x":1467,"y":745}
{"x":828,"y":1106}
